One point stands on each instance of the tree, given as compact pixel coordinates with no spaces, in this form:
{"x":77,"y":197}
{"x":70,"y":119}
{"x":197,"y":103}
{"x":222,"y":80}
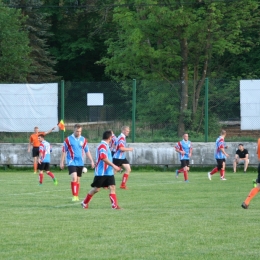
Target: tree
{"x":42,"y":65}
{"x":14,"y":46}
{"x":169,"y":40}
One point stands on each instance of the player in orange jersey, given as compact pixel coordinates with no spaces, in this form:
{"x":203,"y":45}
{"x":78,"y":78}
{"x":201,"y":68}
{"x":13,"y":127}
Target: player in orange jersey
{"x":34,"y":141}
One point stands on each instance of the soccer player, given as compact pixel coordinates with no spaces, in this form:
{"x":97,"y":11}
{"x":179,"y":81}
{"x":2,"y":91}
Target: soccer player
{"x":220,"y":156}
{"x":241,"y":157}
{"x":44,"y":159}
{"x":74,"y":148}
{"x":104,"y":174}
{"x":119,"y":158}
{"x":112,"y":144}
{"x":184,"y":148}
{"x":253,"y":192}
{"x":34,"y":141}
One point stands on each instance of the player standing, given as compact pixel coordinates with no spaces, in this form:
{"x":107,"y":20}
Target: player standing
{"x":45,"y":159}
{"x":74,"y":147}
{"x":34,"y":141}
{"x":112,"y":143}
{"x":119,"y":158}
{"x":220,"y":156}
{"x":104,"y":175}
{"x":184,"y":148}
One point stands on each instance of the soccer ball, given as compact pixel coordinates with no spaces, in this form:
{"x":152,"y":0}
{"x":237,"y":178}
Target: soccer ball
{"x":84,"y":170}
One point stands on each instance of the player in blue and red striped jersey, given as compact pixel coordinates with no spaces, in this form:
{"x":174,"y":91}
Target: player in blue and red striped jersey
{"x":44,"y":159}
{"x":119,"y":157}
{"x":104,"y":174}
{"x":112,"y":144}
{"x":220,"y":156}
{"x":74,"y":148}
{"x":184,"y":148}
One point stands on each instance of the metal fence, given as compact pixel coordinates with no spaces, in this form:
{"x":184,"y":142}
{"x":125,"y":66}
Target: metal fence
{"x":157,"y":109}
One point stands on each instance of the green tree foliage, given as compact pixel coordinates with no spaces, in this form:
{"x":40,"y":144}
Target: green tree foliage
{"x":14,"y":49}
{"x":169,"y":40}
{"x":80,"y":29}
{"x":42,"y":66}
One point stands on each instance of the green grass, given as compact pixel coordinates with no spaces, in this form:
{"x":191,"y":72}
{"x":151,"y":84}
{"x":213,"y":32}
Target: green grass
{"x":163,"y":218}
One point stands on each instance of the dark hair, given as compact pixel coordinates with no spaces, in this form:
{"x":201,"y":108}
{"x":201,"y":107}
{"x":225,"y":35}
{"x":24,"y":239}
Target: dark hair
{"x":41,"y":135}
{"x":107,"y":134}
{"x":241,"y":145}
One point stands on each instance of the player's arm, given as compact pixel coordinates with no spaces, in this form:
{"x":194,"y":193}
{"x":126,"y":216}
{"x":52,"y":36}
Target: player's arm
{"x":49,"y":131}
{"x":190,"y":153}
{"x":116,"y":168}
{"x":62,"y":158}
{"x":222,"y":149}
{"x":90,"y":158}
{"x":125,"y":149}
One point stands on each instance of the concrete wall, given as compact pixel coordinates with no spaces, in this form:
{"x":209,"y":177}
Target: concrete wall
{"x":143,"y":154}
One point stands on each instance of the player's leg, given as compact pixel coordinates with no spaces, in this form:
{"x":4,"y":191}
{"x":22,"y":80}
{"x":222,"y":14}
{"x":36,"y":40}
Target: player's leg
{"x":97,"y":183}
{"x":185,"y":167}
{"x":216,"y":169}
{"x":35,"y":155}
{"x":179,"y":171}
{"x":253,"y":192}
{"x":49,"y":173}
{"x":40,"y":177}
{"x":222,"y":164}
{"x":127,"y":169}
{"x":73,"y":183}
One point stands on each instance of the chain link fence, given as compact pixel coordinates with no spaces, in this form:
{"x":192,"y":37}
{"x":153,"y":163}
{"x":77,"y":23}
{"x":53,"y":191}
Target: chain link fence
{"x":158,"y":109}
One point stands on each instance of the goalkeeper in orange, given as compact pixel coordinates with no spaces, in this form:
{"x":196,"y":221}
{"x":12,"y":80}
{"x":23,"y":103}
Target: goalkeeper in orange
{"x":256,"y":188}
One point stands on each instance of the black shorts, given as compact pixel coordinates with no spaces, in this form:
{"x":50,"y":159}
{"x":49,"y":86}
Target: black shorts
{"x":44,"y":166}
{"x":103,"y":181}
{"x":77,"y":169}
{"x":220,"y":163}
{"x":35,"y":152}
{"x":185,"y":163}
{"x":120,"y":162}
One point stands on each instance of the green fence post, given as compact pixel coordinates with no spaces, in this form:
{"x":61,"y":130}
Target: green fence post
{"x":206,"y":109}
{"x":62,"y":107}
{"x":133,"y":110}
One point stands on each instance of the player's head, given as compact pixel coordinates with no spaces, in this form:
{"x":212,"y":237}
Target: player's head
{"x":241,"y":147}
{"x":223,"y":133}
{"x":111,"y":131}
{"x":77,"y":130}
{"x":36,"y":129}
{"x":125,"y":130}
{"x":40,"y":137}
{"x":186,"y":137}
{"x":107,"y":135}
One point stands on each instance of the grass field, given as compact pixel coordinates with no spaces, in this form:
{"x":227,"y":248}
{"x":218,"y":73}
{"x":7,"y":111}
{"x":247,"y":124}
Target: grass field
{"x":162,"y":218}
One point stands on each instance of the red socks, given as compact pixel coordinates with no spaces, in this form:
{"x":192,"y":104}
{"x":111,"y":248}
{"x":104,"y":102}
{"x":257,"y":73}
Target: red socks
{"x":40,"y":178}
{"x":73,"y":188}
{"x":51,"y":175}
{"x":185,"y":173}
{"x":214,"y":171}
{"x":113,"y":200}
{"x":77,"y":189}
{"x":88,"y":198}
{"x":124,"y":180}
